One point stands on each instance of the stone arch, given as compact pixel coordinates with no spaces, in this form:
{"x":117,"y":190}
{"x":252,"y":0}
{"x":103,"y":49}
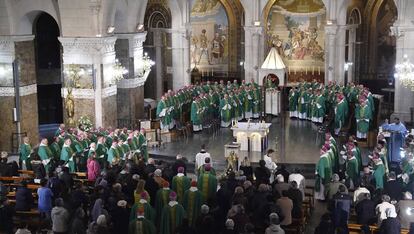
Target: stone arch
{"x":354,"y":16}
{"x":24,"y":15}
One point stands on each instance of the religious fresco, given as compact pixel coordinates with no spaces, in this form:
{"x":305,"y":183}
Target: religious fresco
{"x":209,"y":37}
{"x":296,"y":29}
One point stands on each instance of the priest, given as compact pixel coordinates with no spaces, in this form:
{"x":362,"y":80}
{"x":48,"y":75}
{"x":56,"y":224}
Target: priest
{"x":293,"y":103}
{"x":163,"y":113}
{"x":196,"y":111}
{"x":341,"y":113}
{"x":141,"y":225}
{"x":323,"y":174}
{"x":352,"y":169}
{"x":363,"y":116}
{"x":45,"y":154}
{"x":192,"y":203}
{"x":225,"y":111}
{"x":172,"y":215}
{"x":142,"y":144}
{"x":113,"y":153}
{"x":180,"y":184}
{"x":67,"y":155}
{"x":207,"y":184}
{"x":24,"y":154}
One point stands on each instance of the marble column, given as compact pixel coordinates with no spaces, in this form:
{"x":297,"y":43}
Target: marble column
{"x":339,"y":68}
{"x":351,"y":53}
{"x":130,"y":93}
{"x":158,"y":43}
{"x":21,"y":49}
{"x":180,"y":57}
{"x":330,"y":39}
{"x":253,"y":47}
{"x":98,"y":101}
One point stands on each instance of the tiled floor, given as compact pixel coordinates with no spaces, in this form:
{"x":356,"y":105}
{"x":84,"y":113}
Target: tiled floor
{"x":302,"y":143}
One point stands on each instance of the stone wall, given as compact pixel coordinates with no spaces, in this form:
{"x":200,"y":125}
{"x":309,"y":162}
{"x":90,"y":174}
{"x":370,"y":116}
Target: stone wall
{"x":25,"y":55}
{"x":130,"y":103}
{"x":109,"y":111}
{"x":29,"y":117}
{"x":6,"y":120}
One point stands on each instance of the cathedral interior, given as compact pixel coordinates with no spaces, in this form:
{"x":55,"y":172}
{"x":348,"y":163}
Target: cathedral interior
{"x":108,"y":64}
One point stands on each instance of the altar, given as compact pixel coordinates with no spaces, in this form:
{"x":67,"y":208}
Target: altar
{"x":251,"y":136}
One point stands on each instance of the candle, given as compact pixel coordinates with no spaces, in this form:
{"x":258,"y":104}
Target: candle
{"x":313,"y":69}
{"x":319,"y":70}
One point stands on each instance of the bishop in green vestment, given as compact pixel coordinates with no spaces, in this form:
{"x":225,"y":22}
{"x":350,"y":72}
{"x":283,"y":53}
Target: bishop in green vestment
{"x":163,"y":113}
{"x":45,"y":154}
{"x":142,"y":144}
{"x":113,"y":154}
{"x":363,"y":116}
{"x":67,"y":155}
{"x":143,"y":203}
{"x":192,"y":203}
{"x":293,"y":103}
{"x":207,"y":184}
{"x":56,"y":148}
{"x":323,"y":174}
{"x":319,"y":110}
{"x":341,"y":113}
{"x":180,"y":184}
{"x":379,"y":172}
{"x":352,"y":169}
{"x":172,"y":215}
{"x":303,"y":104}
{"x":162,"y":199}
{"x":225,"y":111}
{"x":196,"y":115}
{"x":24,"y":154}
{"x":141,"y":225}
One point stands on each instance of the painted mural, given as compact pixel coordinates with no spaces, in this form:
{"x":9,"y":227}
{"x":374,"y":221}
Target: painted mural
{"x":296,"y":29}
{"x":209,"y":37}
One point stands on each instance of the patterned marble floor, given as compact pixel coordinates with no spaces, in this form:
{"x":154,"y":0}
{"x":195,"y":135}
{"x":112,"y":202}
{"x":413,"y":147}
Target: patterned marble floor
{"x":302,"y":143}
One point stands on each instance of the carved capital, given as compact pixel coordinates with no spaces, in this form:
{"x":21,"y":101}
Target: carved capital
{"x":254,"y":30}
{"x":331,"y":29}
{"x":88,"y":45}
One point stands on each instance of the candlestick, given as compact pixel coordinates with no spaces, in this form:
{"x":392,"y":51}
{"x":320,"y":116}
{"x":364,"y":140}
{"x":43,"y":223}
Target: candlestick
{"x":313,"y":69}
{"x":319,"y":70}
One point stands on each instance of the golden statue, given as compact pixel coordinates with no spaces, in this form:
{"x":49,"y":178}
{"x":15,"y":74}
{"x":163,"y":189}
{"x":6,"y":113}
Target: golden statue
{"x":70,"y":108}
{"x":232,"y":161}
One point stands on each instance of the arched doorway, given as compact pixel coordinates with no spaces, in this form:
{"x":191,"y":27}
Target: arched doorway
{"x":48,"y":69}
{"x":158,"y":46}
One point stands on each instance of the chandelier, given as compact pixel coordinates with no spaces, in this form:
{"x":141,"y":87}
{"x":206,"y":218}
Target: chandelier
{"x":118,"y":71}
{"x":147,"y":62}
{"x":405,"y":73}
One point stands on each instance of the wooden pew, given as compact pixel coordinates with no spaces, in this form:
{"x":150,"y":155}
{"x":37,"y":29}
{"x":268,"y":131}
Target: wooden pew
{"x":356,"y":229}
{"x":26,"y":172}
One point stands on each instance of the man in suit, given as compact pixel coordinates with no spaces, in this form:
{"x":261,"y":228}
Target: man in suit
{"x":405,"y":210}
{"x":365,"y":210}
{"x":393,"y":187}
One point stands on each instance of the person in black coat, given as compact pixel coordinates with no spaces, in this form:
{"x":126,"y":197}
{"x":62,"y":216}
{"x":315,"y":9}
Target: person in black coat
{"x":6,"y":217}
{"x":262,"y":173}
{"x":120,"y":217}
{"x":390,"y":225}
{"x":179,"y":162}
{"x":24,"y":198}
{"x":325,"y":226}
{"x":282,"y":171}
{"x":296,"y":196}
{"x":393,"y":187}
{"x":365,"y":211}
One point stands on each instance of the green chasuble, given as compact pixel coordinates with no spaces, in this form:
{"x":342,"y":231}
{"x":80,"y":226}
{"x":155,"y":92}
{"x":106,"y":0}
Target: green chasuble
{"x":126,"y":148}
{"x":56,"y":149}
{"x":171,"y":217}
{"x":207,"y":184}
{"x":162,"y":113}
{"x":293,"y":100}
{"x":134,"y":142}
{"x":149,"y":212}
{"x":142,"y":145}
{"x":141,"y":225}
{"x":323,"y":168}
{"x":45,"y":154}
{"x":352,"y":170}
{"x":162,"y":198}
{"x":341,"y":113}
{"x":180,"y":184}
{"x":108,"y":141}
{"x":256,"y":95}
{"x":247,"y":101}
{"x":101,"y":150}
{"x":383,"y":156}
{"x":303,"y":100}
{"x":379,"y":172}
{"x":363,"y":115}
{"x":192,"y":205}
{"x":202,"y":170}
{"x":66,"y":155}
{"x":195,"y":113}
{"x":225,"y":110}
{"x":25,"y":154}
{"x":121,"y":152}
{"x":357,"y":153}
{"x":112,"y":154}
{"x":318,"y":110}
